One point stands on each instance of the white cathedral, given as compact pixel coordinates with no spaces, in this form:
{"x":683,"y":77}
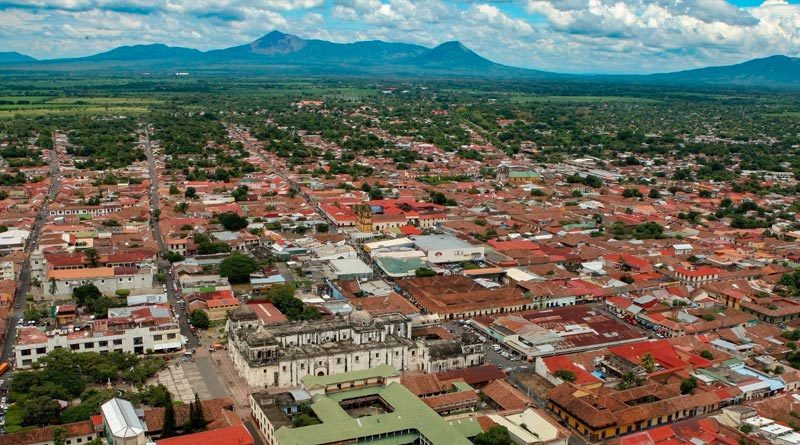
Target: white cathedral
{"x":280,"y":355}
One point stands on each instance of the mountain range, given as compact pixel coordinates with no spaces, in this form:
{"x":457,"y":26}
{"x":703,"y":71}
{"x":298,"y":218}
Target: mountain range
{"x":286,"y":54}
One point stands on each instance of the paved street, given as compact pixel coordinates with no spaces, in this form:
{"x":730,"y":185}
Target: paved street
{"x":24,"y":282}
{"x":210,"y":375}
{"x":164,"y":266}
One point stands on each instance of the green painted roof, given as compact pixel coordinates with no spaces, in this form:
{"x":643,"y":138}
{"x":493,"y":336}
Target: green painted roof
{"x":402,"y":439}
{"x":410,"y":419}
{"x":384,"y":371}
{"x":523,"y":174}
{"x":462,"y":386}
{"x":351,"y":394}
{"x":468,"y":427}
{"x":394,"y":266}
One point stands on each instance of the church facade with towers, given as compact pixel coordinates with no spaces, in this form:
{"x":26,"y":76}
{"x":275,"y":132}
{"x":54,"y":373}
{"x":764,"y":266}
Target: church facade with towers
{"x":280,"y":355}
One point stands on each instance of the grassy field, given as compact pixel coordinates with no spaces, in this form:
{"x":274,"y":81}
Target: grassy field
{"x":793,"y":114}
{"x":308,"y":91}
{"x":14,"y":420}
{"x":580,"y":99}
{"x":104,"y":101}
{"x":76,"y":110}
{"x":35,"y":106}
{"x":29,"y":99}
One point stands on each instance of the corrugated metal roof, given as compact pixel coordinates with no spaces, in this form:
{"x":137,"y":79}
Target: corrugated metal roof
{"x":121,"y":418}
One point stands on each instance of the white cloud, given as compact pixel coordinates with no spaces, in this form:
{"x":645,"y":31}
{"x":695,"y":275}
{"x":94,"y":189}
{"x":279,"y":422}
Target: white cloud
{"x":491,"y":15}
{"x":686,"y":32}
{"x":571,"y":35}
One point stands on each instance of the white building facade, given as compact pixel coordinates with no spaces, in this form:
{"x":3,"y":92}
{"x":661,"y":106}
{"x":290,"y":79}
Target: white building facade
{"x":281,"y":355}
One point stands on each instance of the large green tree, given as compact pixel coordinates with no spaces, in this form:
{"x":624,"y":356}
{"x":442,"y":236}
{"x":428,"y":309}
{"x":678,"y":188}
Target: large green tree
{"x":238,"y":267}
{"x":85,"y":293}
{"x":169,"y":427}
{"x":197,"y":420}
{"x":199,"y":319}
{"x":496,"y":435}
{"x":232,"y":221}
{"x":41,"y":411}
{"x":282,"y":296}
{"x":92,"y":256}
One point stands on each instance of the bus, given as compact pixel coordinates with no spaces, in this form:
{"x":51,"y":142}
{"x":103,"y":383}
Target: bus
{"x":4,"y":367}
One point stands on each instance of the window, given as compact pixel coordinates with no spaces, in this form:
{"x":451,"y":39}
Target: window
{"x":171,"y":336}
{"x":88,"y":345}
{"x":102,"y":343}
{"x":41,"y":350}
{"x":158,"y":337}
{"x":138,"y":340}
{"x":118,"y":341}
{"x":26,"y":352}
{"x":74,"y":347}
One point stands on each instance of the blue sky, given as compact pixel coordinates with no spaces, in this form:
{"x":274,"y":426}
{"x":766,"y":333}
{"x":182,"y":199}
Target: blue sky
{"x":598,"y":36}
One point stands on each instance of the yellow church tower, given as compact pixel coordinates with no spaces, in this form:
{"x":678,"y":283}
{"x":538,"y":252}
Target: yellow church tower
{"x":364,"y":213}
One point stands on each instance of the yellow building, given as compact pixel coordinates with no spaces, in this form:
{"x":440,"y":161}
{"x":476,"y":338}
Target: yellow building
{"x":524,"y":177}
{"x":364,"y":214}
{"x":605,"y":413}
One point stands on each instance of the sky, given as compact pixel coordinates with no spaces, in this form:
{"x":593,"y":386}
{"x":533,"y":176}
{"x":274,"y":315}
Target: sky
{"x":576,"y":36}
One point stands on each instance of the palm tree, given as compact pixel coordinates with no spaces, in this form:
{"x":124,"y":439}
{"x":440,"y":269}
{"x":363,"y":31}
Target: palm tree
{"x":648,"y":362}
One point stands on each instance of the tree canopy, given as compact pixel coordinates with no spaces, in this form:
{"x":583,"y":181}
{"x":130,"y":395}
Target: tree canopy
{"x":232,"y":221}
{"x":496,"y":435}
{"x":282,"y":296}
{"x":238,"y":267}
{"x":199,"y":319}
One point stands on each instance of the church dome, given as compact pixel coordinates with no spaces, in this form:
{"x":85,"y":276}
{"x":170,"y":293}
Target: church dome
{"x":260,"y":335}
{"x":360,"y":317}
{"x":243,"y":312}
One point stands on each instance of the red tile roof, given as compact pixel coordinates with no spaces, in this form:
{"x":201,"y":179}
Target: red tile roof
{"x":83,"y":430}
{"x":475,"y":375}
{"x":506,"y":396}
{"x":234,"y":435}
{"x":267,"y":313}
{"x":563,"y":362}
{"x":452,"y":400}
